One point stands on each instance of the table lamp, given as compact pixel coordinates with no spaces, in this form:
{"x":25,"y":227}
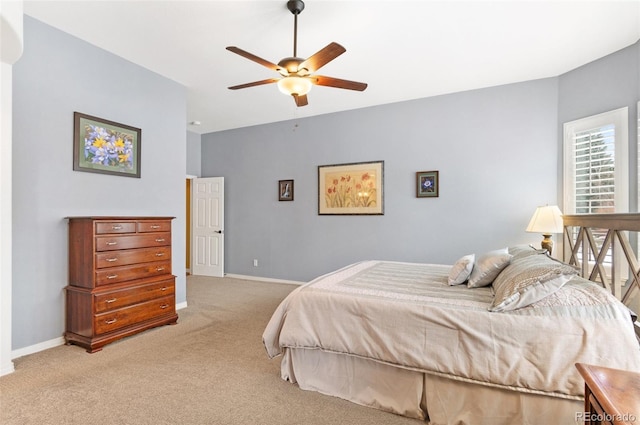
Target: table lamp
{"x":546,"y":220}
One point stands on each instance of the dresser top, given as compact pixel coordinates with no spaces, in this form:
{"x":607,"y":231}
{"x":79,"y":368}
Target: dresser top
{"x":618,"y":391}
{"x":118,"y":218}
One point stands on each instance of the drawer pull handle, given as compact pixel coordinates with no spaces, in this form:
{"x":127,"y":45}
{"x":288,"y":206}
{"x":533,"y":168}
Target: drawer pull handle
{"x":155,"y":226}
{"x":111,"y":260}
{"x":159,"y":269}
{"x":112,"y":276}
{"x":111,"y":300}
{"x":164,"y":288}
{"x":110,"y":321}
{"x":116,"y":227}
{"x":160,"y":240}
{"x":163,"y":306}
{"x":159,"y":254}
{"x":111,"y":243}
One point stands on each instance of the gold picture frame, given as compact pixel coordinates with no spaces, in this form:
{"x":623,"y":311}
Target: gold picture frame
{"x":351,"y":189}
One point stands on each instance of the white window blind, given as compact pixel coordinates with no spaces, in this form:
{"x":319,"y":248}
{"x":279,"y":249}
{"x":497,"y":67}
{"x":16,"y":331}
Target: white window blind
{"x":596,"y":169}
{"x":594,"y":164}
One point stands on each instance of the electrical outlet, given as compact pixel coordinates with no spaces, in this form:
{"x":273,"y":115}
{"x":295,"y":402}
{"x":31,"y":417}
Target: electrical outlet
{"x":255,"y":263}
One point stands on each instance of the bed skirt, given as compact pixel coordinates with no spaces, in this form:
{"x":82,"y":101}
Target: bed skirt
{"x":436,"y":399}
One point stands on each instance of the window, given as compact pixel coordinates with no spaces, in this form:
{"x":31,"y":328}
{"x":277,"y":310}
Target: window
{"x":596,"y":169}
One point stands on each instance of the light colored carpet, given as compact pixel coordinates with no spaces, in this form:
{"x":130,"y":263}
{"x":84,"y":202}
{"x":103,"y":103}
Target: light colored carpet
{"x":211,"y":368}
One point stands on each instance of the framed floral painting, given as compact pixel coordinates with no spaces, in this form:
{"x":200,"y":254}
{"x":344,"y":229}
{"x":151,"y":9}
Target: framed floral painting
{"x":427,"y":183}
{"x":107,"y":147}
{"x":351,"y":189}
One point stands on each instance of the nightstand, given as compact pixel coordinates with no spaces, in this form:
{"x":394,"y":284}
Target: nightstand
{"x":611,"y":396}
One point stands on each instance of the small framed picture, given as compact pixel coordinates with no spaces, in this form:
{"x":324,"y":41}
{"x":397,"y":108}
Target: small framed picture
{"x":427,"y":183}
{"x":285,"y":190}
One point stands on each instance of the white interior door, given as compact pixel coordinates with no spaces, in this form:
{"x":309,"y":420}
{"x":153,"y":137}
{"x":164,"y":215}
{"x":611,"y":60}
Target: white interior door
{"x":207,"y":223}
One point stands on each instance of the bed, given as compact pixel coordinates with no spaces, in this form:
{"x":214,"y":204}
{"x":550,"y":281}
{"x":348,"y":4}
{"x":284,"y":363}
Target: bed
{"x":437,"y":343}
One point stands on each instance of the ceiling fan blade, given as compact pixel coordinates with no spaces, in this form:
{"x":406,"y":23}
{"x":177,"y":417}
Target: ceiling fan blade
{"x":338,"y":83}
{"x":254,"y":58}
{"x":255,"y":83}
{"x":321,"y":58}
{"x":300,"y":100}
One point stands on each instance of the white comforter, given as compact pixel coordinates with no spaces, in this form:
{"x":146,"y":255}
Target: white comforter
{"x":405,"y":314}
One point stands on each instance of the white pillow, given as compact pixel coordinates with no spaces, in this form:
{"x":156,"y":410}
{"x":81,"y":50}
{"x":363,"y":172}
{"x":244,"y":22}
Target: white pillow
{"x":488,"y":266}
{"x":527,"y":280}
{"x":461,"y":270}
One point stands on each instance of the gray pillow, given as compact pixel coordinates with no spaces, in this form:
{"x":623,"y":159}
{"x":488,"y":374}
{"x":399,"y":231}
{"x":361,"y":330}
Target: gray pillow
{"x":461,"y":270}
{"x":488,"y":266}
{"x":520,"y":251}
{"x":527,"y":280}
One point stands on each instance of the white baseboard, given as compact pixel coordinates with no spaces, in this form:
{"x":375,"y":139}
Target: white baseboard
{"x":264,"y":279}
{"x":7,"y":369}
{"x":37,"y":347}
{"x":32,"y":349}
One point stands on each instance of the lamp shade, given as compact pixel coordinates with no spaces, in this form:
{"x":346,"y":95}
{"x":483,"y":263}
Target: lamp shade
{"x":546,"y":220}
{"x":294,"y":85}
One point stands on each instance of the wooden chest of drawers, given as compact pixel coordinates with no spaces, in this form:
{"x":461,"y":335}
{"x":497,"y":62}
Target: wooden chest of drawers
{"x":120,"y":280}
{"x":611,"y":396}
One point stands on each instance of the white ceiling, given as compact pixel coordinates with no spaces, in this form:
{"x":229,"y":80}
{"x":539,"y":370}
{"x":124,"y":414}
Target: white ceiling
{"x":402,"y":49}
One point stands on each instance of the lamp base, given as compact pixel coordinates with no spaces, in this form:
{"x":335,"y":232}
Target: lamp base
{"x":547,"y":243}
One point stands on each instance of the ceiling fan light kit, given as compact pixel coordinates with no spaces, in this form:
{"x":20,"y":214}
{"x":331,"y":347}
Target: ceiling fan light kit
{"x":297,"y":78}
{"x":294,"y":85}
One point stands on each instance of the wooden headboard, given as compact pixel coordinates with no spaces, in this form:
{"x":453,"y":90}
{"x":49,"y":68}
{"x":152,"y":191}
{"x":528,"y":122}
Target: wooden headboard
{"x":596,"y":234}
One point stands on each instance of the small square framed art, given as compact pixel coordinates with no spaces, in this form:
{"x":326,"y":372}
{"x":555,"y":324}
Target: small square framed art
{"x":427,"y":184}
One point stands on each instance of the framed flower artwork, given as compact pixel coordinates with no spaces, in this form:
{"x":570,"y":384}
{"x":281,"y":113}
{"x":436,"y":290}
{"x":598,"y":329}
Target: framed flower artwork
{"x":351,"y":189}
{"x":427,"y":184}
{"x":107,"y":147}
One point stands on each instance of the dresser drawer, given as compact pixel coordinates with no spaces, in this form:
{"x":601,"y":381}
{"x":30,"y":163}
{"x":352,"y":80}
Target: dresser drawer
{"x":112,"y":300}
{"x":132,"y":256}
{"x":117,"y":319}
{"x":149,"y":226}
{"x":111,"y":243}
{"x":121,"y":274}
{"x":115,"y":227}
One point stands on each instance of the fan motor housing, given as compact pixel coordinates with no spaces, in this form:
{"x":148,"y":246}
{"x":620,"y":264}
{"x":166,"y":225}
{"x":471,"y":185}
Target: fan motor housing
{"x":291,"y":64}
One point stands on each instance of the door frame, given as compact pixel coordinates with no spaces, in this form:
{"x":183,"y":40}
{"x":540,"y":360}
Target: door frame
{"x":189,"y":206}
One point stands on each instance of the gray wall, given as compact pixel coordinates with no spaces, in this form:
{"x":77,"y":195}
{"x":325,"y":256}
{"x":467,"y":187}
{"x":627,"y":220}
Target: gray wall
{"x":606,"y":84}
{"x":194,"y":154}
{"x":57,"y":75}
{"x":495,"y":149}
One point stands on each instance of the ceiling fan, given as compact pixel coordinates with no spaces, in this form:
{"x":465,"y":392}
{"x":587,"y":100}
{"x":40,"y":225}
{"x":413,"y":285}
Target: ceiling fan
{"x":297,"y":73}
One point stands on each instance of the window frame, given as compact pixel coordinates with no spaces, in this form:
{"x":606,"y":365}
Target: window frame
{"x":620,"y":119}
